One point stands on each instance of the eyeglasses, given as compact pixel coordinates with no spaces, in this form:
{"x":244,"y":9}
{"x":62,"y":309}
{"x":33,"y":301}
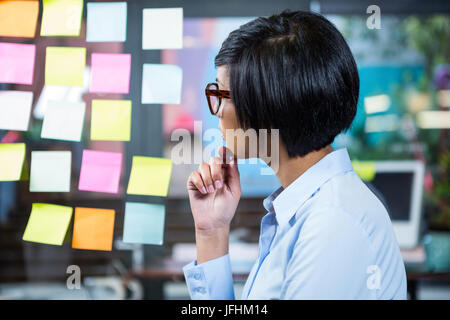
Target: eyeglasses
{"x":214,"y":97}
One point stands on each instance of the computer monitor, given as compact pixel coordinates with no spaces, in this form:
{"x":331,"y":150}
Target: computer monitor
{"x":399,"y":186}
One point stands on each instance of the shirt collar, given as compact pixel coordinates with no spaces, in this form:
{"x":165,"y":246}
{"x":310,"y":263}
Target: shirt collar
{"x":285,"y":202}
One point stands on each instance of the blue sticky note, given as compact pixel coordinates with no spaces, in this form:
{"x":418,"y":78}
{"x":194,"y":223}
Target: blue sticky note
{"x":106,"y":22}
{"x":144,"y":223}
{"x":161,"y":83}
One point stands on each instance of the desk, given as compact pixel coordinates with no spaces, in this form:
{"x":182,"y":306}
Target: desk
{"x":416,"y":272}
{"x":167,"y":269}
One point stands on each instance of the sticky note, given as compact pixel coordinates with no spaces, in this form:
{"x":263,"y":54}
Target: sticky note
{"x":150,"y":176}
{"x":144,"y":223}
{"x":50,"y":171}
{"x":61,"y":17}
{"x":15,"y":109}
{"x":18,"y":18}
{"x":111,"y":120}
{"x":161,"y":83}
{"x":64,"y":66}
{"x":63,"y":120}
{"x":17,"y":63}
{"x":364,"y":169}
{"x":100,"y":171}
{"x":93,"y":229}
{"x":48,"y":223}
{"x":110,"y":73}
{"x":12,"y":156}
{"x":106,"y":22}
{"x":162,"y":28}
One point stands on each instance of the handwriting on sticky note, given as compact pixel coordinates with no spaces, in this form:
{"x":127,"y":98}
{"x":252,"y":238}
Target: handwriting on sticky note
{"x":48,"y":223}
{"x":18,"y":18}
{"x":93,"y":229}
{"x":17,"y":63}
{"x":12,"y":157}
{"x":150,"y":176}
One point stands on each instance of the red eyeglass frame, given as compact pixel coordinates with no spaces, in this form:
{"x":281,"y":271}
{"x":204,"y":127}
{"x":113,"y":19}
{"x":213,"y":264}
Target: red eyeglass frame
{"x":216,"y":93}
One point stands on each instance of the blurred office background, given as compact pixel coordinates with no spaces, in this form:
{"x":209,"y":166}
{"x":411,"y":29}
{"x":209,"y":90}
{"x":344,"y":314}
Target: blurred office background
{"x":399,"y":143}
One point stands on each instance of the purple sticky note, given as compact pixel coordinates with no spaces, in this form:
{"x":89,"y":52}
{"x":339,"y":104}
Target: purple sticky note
{"x":110,"y":73}
{"x":100,"y":171}
{"x":17,"y":63}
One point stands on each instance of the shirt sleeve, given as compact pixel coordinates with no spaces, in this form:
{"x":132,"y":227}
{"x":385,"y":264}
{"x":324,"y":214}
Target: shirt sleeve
{"x":210,"y":280}
{"x":329,"y":260}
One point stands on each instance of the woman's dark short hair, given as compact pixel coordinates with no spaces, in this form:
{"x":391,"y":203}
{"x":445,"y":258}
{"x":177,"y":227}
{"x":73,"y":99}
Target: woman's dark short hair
{"x":294,"y":72}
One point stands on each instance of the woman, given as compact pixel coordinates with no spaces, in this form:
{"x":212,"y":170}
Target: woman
{"x":326,"y":235}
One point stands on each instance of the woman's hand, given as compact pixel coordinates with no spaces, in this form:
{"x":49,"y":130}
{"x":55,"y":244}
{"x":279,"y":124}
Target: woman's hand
{"x":214,"y":193}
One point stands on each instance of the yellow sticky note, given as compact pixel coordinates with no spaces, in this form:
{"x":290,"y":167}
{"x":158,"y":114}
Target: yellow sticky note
{"x":111,"y":120}
{"x":150,"y":176}
{"x":48,"y":223}
{"x":12,"y":156}
{"x":64,"y":66}
{"x":61,"y":17}
{"x":364,"y":169}
{"x":18,"y":18}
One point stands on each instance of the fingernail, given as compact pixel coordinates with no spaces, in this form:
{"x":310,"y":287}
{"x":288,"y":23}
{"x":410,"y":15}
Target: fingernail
{"x":218,"y":184}
{"x":203,"y":190}
{"x":210,"y":188}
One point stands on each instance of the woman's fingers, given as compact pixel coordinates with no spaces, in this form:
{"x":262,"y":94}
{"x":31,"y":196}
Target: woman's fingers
{"x":221,"y":170}
{"x":205,"y":172}
{"x":215,"y":165}
{"x":231,"y":171}
{"x":195,"y":181}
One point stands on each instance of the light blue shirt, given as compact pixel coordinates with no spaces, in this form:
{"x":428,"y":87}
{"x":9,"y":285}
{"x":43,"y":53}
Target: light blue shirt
{"x":326,"y":236}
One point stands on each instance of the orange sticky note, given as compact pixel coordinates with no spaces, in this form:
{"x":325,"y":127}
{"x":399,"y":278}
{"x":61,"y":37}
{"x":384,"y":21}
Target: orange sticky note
{"x":93,"y":229}
{"x":18,"y":18}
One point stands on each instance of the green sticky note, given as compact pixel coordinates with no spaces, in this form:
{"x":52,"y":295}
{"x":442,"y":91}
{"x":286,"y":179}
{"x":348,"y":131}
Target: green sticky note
{"x":111,"y":120}
{"x":64,"y":66}
{"x":150,"y":176}
{"x":144,"y":223}
{"x":364,"y":169}
{"x":61,"y":17}
{"x":12,"y":156}
{"x":48,"y":223}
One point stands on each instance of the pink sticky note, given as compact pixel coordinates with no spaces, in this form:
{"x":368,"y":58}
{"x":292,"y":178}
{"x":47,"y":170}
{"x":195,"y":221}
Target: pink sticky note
{"x":110,"y":73}
{"x":17,"y":63}
{"x":100,"y":171}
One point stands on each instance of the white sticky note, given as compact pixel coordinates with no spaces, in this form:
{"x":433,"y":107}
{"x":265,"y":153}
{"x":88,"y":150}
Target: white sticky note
{"x":50,"y":171}
{"x":15,"y":109}
{"x":162,"y":28}
{"x":63,"y":120}
{"x":106,"y":22}
{"x":161,"y":83}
